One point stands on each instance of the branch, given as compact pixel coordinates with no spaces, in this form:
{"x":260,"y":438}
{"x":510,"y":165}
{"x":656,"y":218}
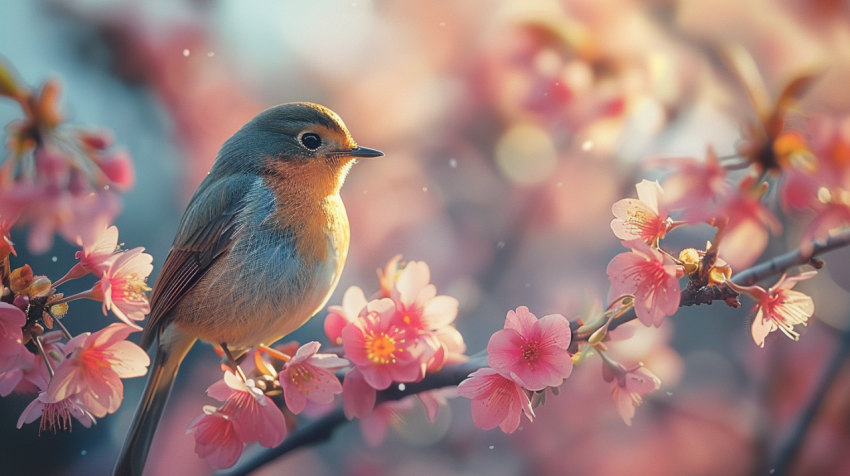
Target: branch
{"x":322,"y":429}
{"x":777,"y":265}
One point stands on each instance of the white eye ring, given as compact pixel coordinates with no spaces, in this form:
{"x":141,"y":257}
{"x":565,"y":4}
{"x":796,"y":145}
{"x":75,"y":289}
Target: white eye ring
{"x":311,"y":140}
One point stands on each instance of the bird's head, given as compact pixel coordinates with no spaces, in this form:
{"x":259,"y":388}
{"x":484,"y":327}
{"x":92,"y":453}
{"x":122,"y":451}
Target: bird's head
{"x":294,"y":141}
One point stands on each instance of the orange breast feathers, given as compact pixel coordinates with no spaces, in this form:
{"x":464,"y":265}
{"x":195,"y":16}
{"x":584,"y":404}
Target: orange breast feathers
{"x":309,"y":205}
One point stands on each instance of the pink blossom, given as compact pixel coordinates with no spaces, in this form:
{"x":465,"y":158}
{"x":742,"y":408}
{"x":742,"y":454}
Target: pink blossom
{"x":118,"y":168}
{"x":98,"y":253}
{"x":374,"y":427}
{"x":254,"y":417}
{"x":379,"y":346}
{"x":358,"y":397}
{"x":388,"y":276}
{"x":123,"y":286}
{"x":696,"y":186}
{"x":643,"y":218}
{"x":629,"y":387}
{"x":417,"y":302}
{"x":215,"y":438}
{"x":745,"y":234}
{"x":496,"y":400}
{"x":94,"y":369}
{"x":353,"y":301}
{"x":306,"y":376}
{"x":779,"y":307}
{"x":651,"y":276}
{"x":12,"y":319}
{"x":530,"y":351}
{"x":832,"y":216}
{"x":56,"y":415}
{"x":432,"y":400}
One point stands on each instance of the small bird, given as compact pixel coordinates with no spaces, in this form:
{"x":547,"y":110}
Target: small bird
{"x":259,"y":250}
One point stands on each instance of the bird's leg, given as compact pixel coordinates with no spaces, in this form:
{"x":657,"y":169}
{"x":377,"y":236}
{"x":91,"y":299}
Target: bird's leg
{"x":231,"y":362}
{"x":274,"y":353}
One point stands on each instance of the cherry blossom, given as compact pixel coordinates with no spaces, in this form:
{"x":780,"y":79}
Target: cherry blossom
{"x":379,"y":346}
{"x":779,"y":307}
{"x":56,"y":415}
{"x":417,"y":302}
{"x":629,"y":387}
{"x":94,"y":368}
{"x":215,"y":438}
{"x":695,"y":186}
{"x":358,"y":397}
{"x":651,"y":276}
{"x":353,"y":301}
{"x":496,"y":400}
{"x":374,"y":427}
{"x":97,"y":254}
{"x":254,"y":417}
{"x":530,"y":351}
{"x":122,"y":287}
{"x":306,"y":377}
{"x":12,"y":319}
{"x":643,"y":218}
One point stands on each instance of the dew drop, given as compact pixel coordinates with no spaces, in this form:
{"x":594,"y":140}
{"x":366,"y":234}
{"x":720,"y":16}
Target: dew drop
{"x":528,"y":285}
{"x":54,"y":259}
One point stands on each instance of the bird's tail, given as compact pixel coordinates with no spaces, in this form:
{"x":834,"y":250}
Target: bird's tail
{"x":172,"y":347}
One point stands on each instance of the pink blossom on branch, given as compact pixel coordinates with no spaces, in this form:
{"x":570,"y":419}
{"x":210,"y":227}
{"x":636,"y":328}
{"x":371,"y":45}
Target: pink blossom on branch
{"x":358,"y":397}
{"x":645,"y":218}
{"x":56,"y":415}
{"x":379,"y":346}
{"x":98,"y":253}
{"x":215,"y":438}
{"x":417,"y":302}
{"x":629,"y":388}
{"x":530,"y":351}
{"x":651,"y":276}
{"x":697,"y":187}
{"x":122,"y":286}
{"x":353,"y":301}
{"x":253,"y":415}
{"x":12,"y":319}
{"x":94,"y":368}
{"x":496,"y":400}
{"x":779,"y":307}
{"x":306,"y":377}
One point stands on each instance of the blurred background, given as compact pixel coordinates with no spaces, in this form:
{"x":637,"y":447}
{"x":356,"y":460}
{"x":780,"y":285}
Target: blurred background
{"x":510,"y":128}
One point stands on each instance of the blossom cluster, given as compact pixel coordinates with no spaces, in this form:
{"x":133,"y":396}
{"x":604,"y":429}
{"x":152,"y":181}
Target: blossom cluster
{"x":57,"y":177}
{"x":80,"y":378}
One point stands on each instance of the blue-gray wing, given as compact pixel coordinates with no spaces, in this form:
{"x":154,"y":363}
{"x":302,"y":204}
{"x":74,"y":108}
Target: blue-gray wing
{"x":207,"y":231}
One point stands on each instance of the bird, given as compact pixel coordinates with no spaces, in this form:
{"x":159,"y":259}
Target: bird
{"x":259,"y":250}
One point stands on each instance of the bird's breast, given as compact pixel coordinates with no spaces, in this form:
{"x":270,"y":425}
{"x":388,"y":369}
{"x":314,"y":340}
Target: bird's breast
{"x":280,"y":271}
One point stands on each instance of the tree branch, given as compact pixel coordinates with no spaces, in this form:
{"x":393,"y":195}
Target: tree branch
{"x":322,"y":429}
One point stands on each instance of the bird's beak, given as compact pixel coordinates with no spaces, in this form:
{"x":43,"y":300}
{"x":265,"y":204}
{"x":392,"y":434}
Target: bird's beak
{"x":365,"y":152}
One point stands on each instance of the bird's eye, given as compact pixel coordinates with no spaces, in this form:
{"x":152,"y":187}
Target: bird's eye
{"x":311,"y":141}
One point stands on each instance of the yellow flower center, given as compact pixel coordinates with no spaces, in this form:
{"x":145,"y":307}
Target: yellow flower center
{"x":135,"y":288}
{"x":381,"y":348}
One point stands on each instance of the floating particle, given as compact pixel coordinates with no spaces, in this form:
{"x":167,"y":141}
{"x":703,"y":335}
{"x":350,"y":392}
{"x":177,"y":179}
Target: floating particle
{"x":186,"y":52}
{"x":401,"y":387}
